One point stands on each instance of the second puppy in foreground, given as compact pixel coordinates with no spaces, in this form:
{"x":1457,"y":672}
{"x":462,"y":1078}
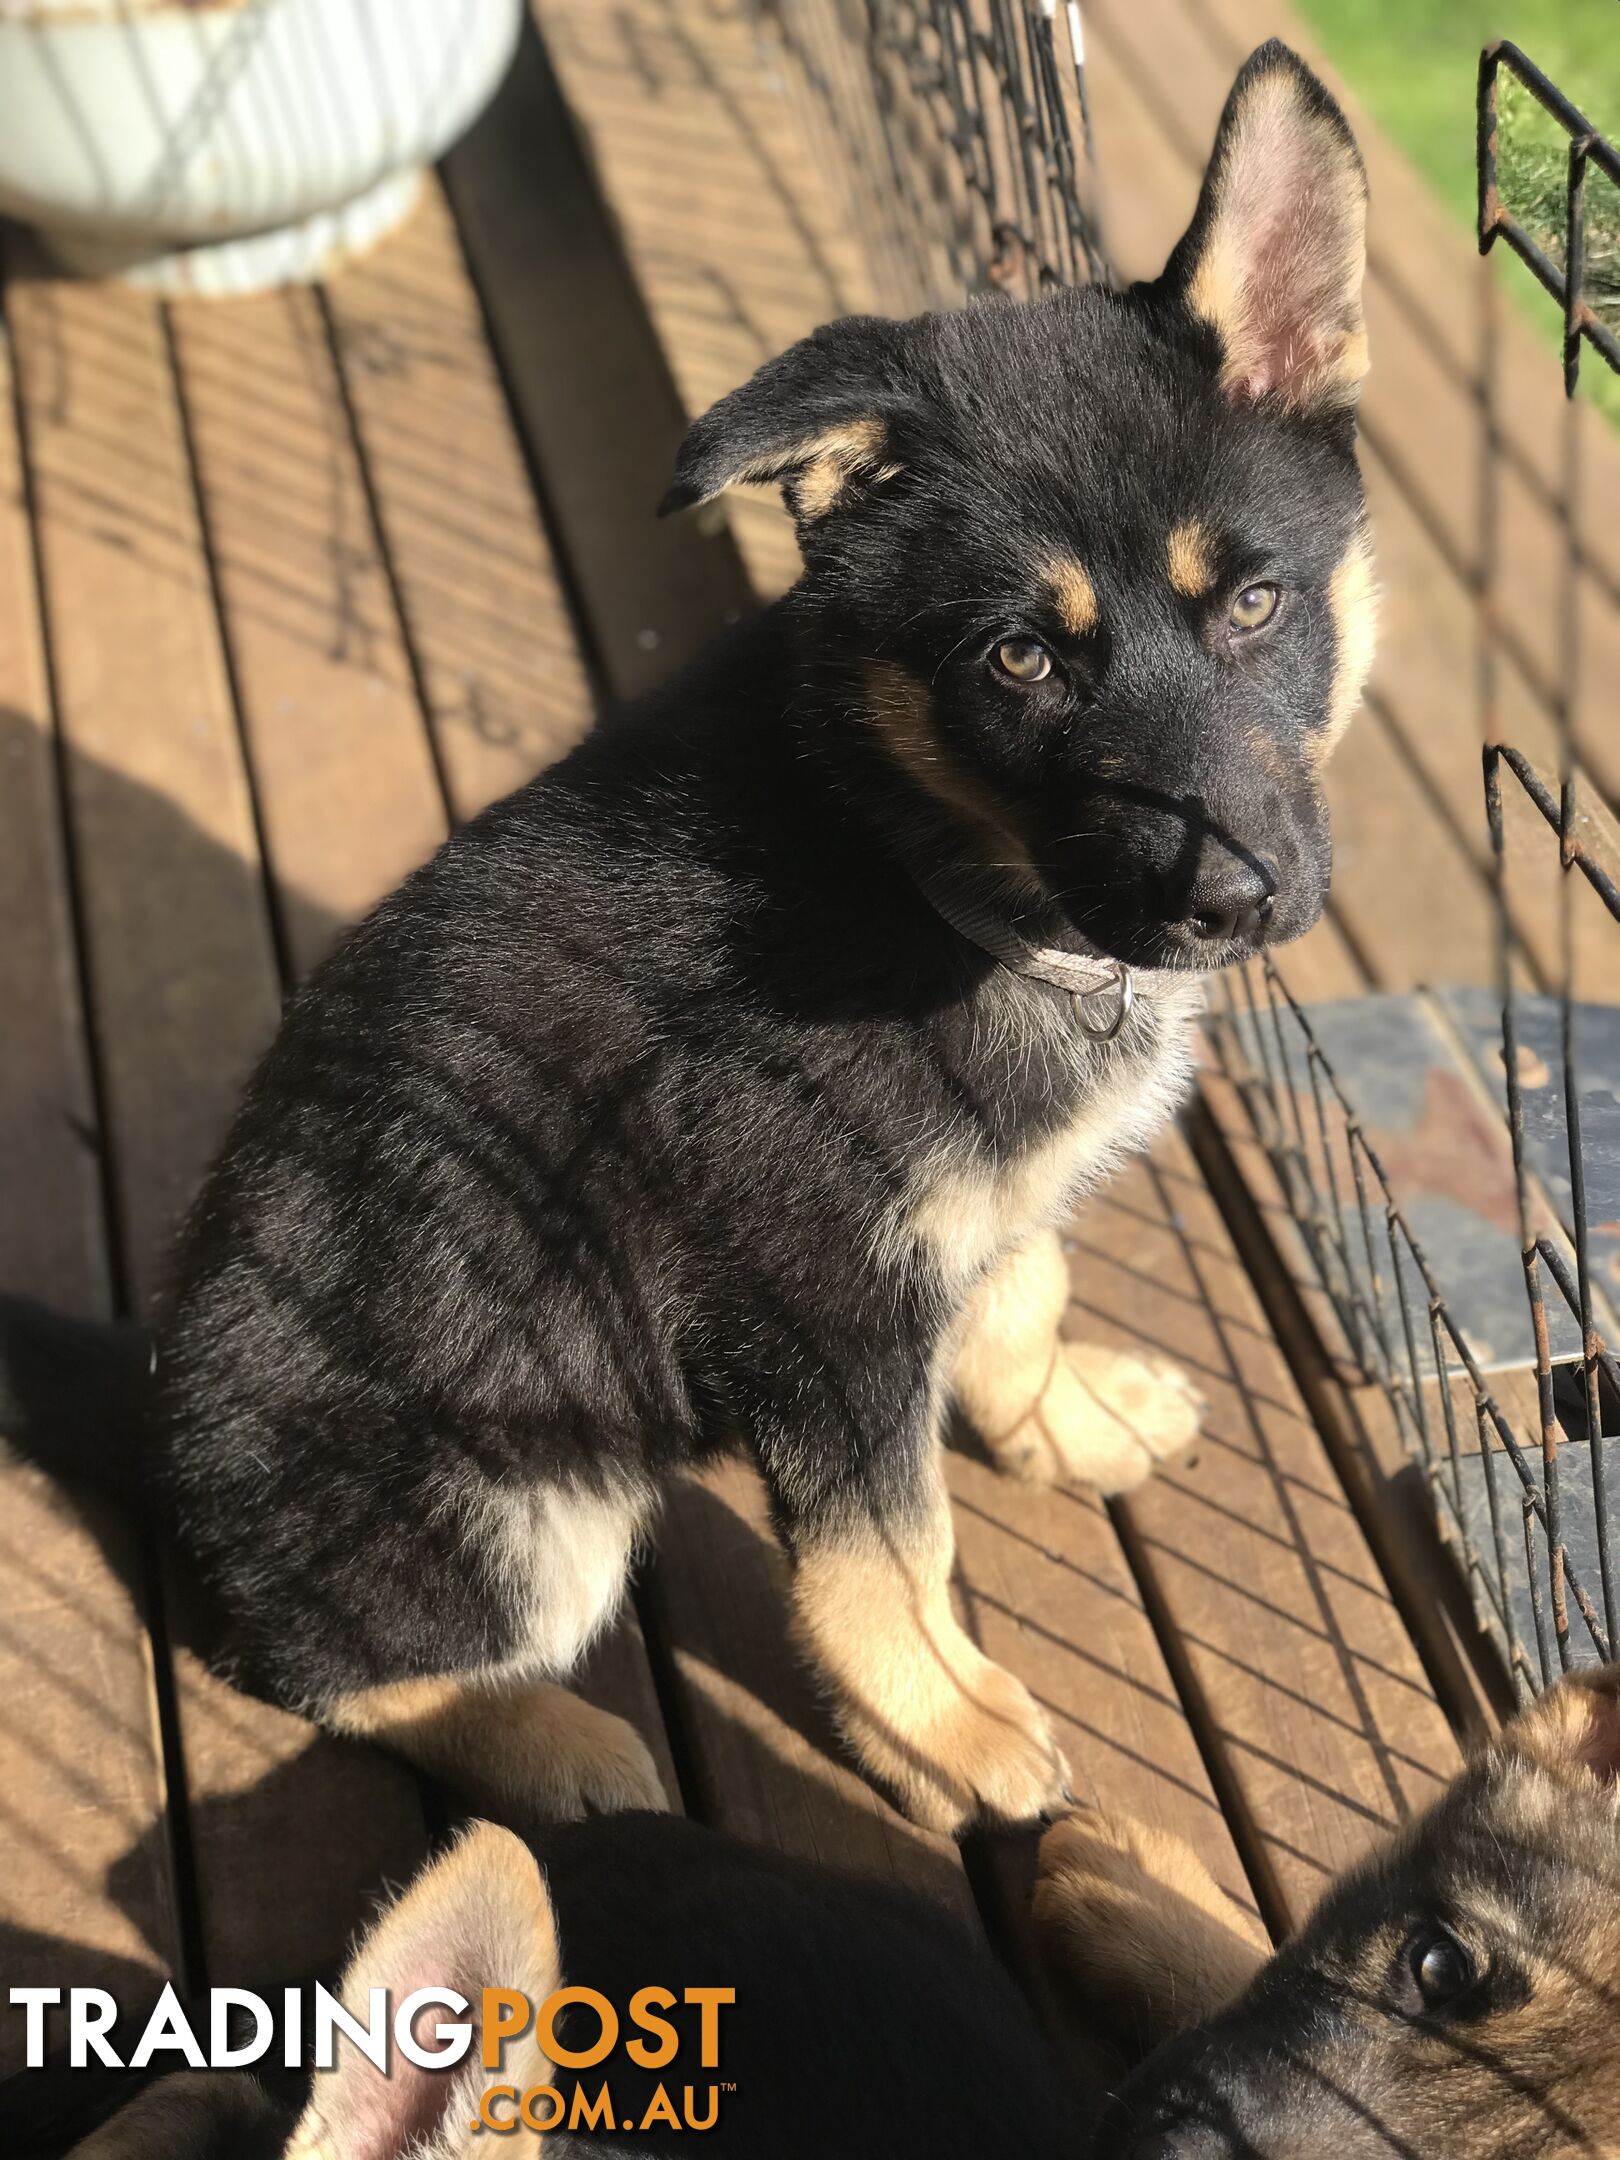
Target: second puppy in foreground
{"x":726,"y":1084}
{"x":1452,"y":1997}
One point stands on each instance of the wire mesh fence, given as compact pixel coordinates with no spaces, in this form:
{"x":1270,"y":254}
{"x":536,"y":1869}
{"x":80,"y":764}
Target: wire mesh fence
{"x":964,"y":130}
{"x":965,"y":133}
{"x":1522,"y":1493}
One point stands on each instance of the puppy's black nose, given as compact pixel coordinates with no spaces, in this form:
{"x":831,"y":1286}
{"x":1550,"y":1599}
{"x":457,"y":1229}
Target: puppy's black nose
{"x":1231,"y":899}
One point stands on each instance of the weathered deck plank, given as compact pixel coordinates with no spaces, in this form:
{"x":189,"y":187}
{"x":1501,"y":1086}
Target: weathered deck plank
{"x":52,"y":1231}
{"x":569,"y":328}
{"x":183,"y":983}
{"x":182,"y":970}
{"x":338,"y":757}
{"x":1048,"y":1592}
{"x":89,"y":1898}
{"x":734,"y":231}
{"x":1305,"y":1677}
{"x":484,"y":610}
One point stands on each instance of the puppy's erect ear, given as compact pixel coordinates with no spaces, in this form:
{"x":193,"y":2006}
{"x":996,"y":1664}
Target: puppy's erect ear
{"x":478,"y":1918}
{"x":823,"y":418}
{"x":1574,"y":1728}
{"x":1273,"y":259}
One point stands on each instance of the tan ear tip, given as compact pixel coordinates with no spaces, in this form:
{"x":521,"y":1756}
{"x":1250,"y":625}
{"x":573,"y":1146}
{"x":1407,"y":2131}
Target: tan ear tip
{"x":1575,"y":1725}
{"x":493,"y":1841}
{"x":1279,"y":64}
{"x":484,"y":1859}
{"x":1275,"y":66}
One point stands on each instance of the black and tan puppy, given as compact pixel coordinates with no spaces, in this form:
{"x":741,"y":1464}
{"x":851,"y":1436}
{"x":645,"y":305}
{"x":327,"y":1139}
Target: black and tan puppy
{"x":1454,"y":1997}
{"x":867,"y":2024}
{"x":723,"y":1086}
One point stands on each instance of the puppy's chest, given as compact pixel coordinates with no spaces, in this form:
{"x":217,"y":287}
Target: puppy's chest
{"x":971,"y":1198}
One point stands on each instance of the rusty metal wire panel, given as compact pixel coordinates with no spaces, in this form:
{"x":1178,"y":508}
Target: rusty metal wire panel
{"x":1529,"y":1505}
{"x":962,"y":130}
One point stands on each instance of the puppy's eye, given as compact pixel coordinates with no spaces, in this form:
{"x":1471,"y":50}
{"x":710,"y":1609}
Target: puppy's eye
{"x":1026,"y":660}
{"x":1441,"y":1968}
{"x":1254,"y":606}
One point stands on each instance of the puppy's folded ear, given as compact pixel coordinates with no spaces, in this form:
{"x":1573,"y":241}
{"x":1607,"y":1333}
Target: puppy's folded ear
{"x":825,"y":419}
{"x":1574,"y":1728}
{"x":1272,"y":262}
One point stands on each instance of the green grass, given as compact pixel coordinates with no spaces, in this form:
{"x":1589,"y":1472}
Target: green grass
{"x":1413,"y":63}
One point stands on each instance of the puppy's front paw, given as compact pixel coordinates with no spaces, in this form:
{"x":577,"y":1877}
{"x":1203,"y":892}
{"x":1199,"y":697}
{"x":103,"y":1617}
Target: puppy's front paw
{"x":606,"y":1770}
{"x":1132,"y":1922}
{"x":570,"y":1760}
{"x":986,"y":1753}
{"x":1089,"y":1864}
{"x":1107,"y":1416}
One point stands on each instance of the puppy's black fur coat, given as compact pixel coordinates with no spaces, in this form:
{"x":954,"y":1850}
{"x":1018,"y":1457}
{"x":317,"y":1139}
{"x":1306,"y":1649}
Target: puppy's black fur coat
{"x":562,"y":1168}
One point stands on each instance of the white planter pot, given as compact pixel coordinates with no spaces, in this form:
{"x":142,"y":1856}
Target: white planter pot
{"x":224,"y":144}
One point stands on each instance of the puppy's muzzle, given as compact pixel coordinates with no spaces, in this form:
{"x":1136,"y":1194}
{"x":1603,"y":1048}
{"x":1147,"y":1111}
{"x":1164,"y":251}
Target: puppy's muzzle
{"x":1231,"y":901}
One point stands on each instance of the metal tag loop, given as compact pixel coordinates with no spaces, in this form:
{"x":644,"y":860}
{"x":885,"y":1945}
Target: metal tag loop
{"x":1125,"y":998}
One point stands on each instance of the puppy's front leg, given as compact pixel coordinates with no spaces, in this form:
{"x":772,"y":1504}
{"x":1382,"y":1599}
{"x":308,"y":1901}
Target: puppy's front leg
{"x":954,"y":1736}
{"x":1046,"y":1408}
{"x":1140,"y":1938}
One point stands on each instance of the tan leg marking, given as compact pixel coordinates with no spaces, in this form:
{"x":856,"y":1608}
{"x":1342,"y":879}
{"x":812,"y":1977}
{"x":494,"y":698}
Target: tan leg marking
{"x":1136,"y":1929}
{"x":927,"y":1713}
{"x":1046,"y":1408}
{"x":521,"y":1751}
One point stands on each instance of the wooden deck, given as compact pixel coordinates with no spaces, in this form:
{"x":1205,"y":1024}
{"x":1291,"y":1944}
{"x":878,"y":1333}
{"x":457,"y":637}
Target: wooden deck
{"x":287,"y":586}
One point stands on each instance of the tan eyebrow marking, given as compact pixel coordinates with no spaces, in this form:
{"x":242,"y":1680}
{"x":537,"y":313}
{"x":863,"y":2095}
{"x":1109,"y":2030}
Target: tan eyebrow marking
{"x":1074,"y":593}
{"x":1191,"y":559}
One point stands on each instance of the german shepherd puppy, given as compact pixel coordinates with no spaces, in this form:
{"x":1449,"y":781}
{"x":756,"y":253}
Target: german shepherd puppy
{"x":724,"y":1085}
{"x":867,"y":2023}
{"x":1454,"y":1997}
